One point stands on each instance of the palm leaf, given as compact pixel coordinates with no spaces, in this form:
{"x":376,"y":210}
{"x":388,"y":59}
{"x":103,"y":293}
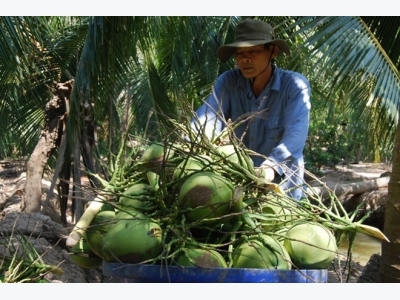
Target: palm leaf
{"x":344,"y":51}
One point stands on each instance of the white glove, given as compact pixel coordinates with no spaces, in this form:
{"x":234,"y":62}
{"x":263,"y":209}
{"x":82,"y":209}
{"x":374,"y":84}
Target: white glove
{"x":265,"y":173}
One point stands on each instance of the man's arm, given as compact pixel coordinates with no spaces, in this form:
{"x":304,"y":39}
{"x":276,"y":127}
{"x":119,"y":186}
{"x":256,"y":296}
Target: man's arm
{"x":296,"y":128}
{"x":210,"y":117}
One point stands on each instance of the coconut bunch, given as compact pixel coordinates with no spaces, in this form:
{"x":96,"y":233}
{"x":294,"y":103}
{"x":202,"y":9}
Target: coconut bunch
{"x":203,"y":205}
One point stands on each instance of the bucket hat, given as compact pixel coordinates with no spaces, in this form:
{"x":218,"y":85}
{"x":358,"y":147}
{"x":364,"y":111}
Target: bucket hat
{"x":250,"y":32}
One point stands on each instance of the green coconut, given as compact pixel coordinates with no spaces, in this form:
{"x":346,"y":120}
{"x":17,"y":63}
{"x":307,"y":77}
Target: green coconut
{"x":261,"y":253}
{"x":128,"y":213}
{"x":208,"y":194}
{"x":137,"y":189}
{"x":134,"y":196}
{"x":97,"y":230}
{"x":310,"y":245}
{"x":83,"y":256}
{"x":203,"y":258}
{"x":192,"y":164}
{"x":153,"y":157}
{"x":277,"y":216}
{"x":235,"y":155}
{"x":132,"y":241}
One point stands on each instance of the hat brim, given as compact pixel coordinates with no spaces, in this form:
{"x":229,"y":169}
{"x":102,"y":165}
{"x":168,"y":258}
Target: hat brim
{"x":226,"y":51}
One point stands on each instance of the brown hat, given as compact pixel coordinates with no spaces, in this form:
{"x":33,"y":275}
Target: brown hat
{"x":250,"y":32}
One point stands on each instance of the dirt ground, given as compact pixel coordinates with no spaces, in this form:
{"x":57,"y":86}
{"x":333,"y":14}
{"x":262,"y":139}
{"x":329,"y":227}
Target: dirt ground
{"x":354,"y":172}
{"x":13,"y":178}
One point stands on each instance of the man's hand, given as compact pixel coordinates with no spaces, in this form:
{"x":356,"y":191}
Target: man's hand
{"x":265,"y":173}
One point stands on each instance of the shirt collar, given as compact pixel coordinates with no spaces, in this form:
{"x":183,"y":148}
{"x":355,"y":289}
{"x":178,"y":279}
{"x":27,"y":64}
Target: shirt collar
{"x":274,"y":84}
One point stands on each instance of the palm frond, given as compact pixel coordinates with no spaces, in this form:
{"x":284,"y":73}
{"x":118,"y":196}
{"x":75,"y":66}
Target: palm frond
{"x":344,"y":51}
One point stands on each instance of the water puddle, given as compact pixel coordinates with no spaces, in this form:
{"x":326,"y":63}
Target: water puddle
{"x":364,"y":247}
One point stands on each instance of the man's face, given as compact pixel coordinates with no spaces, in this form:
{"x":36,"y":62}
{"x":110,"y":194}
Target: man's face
{"x":254,"y":60}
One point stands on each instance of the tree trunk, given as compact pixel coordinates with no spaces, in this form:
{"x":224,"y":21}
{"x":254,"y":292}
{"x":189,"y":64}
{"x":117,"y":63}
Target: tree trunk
{"x":56,"y":111}
{"x":349,"y":188}
{"x":390,"y":260}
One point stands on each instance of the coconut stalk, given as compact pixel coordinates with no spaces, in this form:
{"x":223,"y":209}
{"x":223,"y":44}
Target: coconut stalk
{"x":85,"y":220}
{"x":96,"y":205}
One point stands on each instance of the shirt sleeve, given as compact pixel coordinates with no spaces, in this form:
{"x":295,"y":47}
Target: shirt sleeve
{"x":296,"y":123}
{"x":210,"y":118}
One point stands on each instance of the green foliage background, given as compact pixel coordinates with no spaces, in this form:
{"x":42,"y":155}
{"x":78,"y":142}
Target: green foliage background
{"x":159,"y":68}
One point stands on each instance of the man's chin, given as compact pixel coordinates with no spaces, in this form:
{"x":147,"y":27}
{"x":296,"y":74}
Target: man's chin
{"x":247,"y":74}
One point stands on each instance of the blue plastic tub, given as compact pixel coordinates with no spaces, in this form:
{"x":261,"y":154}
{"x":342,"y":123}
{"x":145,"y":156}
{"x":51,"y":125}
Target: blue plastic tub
{"x":176,"y":274}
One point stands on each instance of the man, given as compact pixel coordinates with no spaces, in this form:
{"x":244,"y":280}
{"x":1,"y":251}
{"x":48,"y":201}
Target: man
{"x":271,"y":105}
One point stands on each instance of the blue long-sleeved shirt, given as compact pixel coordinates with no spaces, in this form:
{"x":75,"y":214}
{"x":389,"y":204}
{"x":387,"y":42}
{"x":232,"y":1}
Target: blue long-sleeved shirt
{"x":275,"y":124}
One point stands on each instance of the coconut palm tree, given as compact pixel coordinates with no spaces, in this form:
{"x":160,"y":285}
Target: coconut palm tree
{"x":152,"y":68}
{"x":148,"y":65}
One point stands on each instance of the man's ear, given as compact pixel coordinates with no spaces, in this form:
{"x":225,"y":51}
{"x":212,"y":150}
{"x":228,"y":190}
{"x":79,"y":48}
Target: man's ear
{"x":275,"y":51}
